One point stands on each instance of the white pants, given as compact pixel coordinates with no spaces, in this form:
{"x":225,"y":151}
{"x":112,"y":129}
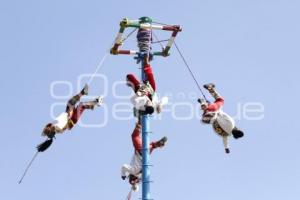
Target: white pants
{"x":134,"y":168}
{"x":128,"y":169}
{"x":227,"y":123}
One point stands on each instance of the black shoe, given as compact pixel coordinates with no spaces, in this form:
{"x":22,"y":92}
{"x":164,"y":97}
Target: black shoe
{"x":161,"y":142}
{"x":237,"y":133}
{"x":85,"y":90}
{"x":209,"y":86}
{"x":203,"y":101}
{"x":149,"y":110}
{"x":227,"y":150}
{"x":133,"y":179}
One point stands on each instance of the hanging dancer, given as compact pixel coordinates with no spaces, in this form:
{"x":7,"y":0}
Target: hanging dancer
{"x":70,"y":117}
{"x":134,"y":171}
{"x":222,"y":123}
{"x":65,"y":121}
{"x":145,"y":100}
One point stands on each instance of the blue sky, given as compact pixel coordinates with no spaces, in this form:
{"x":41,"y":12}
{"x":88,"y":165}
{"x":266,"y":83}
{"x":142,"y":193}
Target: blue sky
{"x":248,"y":48}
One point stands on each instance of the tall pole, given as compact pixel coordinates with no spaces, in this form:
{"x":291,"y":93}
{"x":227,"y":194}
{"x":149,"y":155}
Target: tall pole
{"x":146,"y":158}
{"x":145,"y":26}
{"x":144,"y":56}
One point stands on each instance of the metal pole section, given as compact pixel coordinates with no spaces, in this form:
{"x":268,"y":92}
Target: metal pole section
{"x":146,"y":158}
{"x":146,"y":150}
{"x":145,"y":134}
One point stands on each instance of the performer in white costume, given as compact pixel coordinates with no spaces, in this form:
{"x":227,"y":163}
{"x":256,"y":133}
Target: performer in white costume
{"x":222,"y":123}
{"x":145,"y":100}
{"x":67,"y":119}
{"x":134,"y":171}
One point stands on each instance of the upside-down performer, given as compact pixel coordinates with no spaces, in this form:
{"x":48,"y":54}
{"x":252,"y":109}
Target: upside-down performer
{"x":134,"y":171}
{"x":145,"y":100}
{"x":222,"y":123}
{"x":67,"y":120}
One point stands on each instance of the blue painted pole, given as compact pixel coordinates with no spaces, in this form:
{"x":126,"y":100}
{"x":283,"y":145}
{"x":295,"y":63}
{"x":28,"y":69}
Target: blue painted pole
{"x":146,"y":158}
{"x":146,"y":151}
{"x":145,"y":131}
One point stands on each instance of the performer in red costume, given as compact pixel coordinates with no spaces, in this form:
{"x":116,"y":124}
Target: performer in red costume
{"x":134,"y":171}
{"x":222,"y":123}
{"x":145,"y":100}
{"x":67,"y":119}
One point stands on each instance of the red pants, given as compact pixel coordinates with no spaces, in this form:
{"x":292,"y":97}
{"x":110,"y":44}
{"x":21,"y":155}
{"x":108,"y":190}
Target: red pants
{"x":74,"y":111}
{"x":149,"y":77}
{"x":213,"y":107}
{"x":137,"y":141}
{"x":77,"y":112}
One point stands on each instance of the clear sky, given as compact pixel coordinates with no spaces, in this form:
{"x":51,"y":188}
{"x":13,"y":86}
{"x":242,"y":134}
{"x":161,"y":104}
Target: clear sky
{"x":249,"y":48}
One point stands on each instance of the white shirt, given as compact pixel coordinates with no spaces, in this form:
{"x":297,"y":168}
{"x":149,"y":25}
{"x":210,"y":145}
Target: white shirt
{"x":136,"y":163}
{"x":226,"y":122}
{"x":60,"y":123}
{"x":139,"y":102}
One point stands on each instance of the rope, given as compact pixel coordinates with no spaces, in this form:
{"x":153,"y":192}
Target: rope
{"x":29,"y":165}
{"x":158,"y":41}
{"x":129,"y":35}
{"x":144,"y":40}
{"x":129,"y":195}
{"x":98,"y":68}
{"x":189,"y":69}
{"x":183,"y":58}
{"x":160,"y":23}
{"x":104,"y":58}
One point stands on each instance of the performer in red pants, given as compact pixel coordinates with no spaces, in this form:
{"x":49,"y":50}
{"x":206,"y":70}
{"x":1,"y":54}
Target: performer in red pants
{"x":145,"y":100}
{"x":134,"y":170}
{"x":135,"y":84}
{"x":70,"y":117}
{"x":222,"y":123}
